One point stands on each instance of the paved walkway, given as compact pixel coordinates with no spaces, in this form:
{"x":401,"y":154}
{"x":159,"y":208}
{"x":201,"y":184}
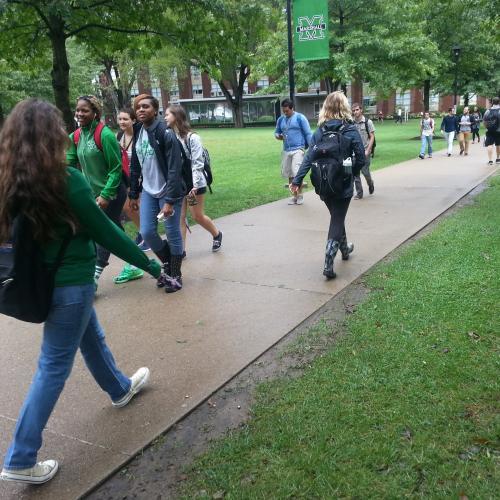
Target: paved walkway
{"x":235,"y":304}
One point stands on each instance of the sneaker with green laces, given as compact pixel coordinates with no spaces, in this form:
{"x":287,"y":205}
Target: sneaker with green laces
{"x":128,"y":273}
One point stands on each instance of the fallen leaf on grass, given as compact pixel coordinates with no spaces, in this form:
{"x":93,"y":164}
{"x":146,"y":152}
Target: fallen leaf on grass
{"x":473,"y":336}
{"x":486,"y":256}
{"x":219,"y":495}
{"x":211,"y":403}
{"x":445,"y":351}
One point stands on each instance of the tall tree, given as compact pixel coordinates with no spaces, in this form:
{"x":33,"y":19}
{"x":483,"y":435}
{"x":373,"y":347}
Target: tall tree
{"x":24,"y":78}
{"x":224,"y":43}
{"x":373,"y":40}
{"x":28,"y":26}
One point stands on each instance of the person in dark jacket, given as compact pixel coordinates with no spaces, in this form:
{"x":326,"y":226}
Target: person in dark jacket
{"x":335,"y":116}
{"x":449,"y":126}
{"x":156,"y":170}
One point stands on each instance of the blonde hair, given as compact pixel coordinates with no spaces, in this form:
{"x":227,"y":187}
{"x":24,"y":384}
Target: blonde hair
{"x":335,"y":106}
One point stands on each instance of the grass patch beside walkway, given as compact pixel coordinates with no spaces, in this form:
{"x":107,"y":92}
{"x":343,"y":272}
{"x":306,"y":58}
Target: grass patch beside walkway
{"x":406,"y":402}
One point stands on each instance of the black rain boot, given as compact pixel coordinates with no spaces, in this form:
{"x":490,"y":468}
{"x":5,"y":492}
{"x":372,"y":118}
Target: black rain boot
{"x":345,"y":248}
{"x":173,"y":283}
{"x":164,"y":255}
{"x":332,"y":247}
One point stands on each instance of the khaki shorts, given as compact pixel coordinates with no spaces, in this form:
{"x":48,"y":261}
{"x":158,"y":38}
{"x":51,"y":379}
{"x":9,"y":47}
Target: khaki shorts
{"x":464,"y":136}
{"x":290,"y":162}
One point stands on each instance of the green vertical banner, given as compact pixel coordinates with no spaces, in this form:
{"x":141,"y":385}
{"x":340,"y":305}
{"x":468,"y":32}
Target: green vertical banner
{"x":310,"y":22}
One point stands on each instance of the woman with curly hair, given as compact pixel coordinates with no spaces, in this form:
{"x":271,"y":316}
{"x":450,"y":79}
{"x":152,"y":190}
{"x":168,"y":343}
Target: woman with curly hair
{"x":335,"y":118}
{"x":60,"y":206}
{"x":95,"y":150}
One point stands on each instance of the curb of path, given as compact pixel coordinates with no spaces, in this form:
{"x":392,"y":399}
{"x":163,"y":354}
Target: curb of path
{"x":157,"y":470}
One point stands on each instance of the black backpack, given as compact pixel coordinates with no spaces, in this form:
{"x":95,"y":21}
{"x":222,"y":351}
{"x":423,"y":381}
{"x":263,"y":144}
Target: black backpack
{"x":329,"y":176}
{"x":187,"y":171}
{"x":207,"y":170}
{"x":26,"y":281}
{"x":492,"y":119}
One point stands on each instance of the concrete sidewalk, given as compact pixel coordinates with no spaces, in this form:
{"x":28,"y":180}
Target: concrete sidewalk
{"x":235,"y":305}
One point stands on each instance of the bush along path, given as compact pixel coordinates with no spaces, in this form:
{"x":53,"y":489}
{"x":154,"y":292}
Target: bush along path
{"x":405,"y":404}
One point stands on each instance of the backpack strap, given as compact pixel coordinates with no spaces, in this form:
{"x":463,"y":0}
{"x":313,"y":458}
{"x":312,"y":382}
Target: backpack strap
{"x":76,"y":136}
{"x":98,"y":135}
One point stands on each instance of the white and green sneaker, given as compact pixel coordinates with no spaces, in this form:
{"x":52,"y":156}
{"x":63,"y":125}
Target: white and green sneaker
{"x":128,"y":273}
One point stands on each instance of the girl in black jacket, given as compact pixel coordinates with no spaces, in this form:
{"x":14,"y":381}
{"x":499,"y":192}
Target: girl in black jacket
{"x":335,"y":123}
{"x":156,"y":170}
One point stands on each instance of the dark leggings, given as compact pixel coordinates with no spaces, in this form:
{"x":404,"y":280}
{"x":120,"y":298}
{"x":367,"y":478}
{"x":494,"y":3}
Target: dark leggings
{"x":338,"y":211}
{"x":113,"y":211}
{"x":474,"y":133}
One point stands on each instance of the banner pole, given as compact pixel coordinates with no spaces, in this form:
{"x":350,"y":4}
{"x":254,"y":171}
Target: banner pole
{"x":291,"y":74}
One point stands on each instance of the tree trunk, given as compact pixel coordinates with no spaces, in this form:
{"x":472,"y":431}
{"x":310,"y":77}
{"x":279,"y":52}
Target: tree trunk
{"x":235,"y":101}
{"x":466,"y":99}
{"x":2,"y":118}
{"x":344,"y":88}
{"x":60,"y":75}
{"x":329,"y":84}
{"x":427,"y":94}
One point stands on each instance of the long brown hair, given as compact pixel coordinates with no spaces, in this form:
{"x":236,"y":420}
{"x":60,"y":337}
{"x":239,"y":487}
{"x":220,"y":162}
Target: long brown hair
{"x":33,"y":178}
{"x":181,"y":121}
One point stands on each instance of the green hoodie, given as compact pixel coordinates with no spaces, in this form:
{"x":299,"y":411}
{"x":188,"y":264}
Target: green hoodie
{"x":78,"y":265}
{"x":102,"y":169}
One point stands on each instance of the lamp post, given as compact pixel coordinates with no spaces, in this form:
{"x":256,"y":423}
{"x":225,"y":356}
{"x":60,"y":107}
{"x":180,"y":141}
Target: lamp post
{"x":456,"y":56}
{"x":291,"y":74}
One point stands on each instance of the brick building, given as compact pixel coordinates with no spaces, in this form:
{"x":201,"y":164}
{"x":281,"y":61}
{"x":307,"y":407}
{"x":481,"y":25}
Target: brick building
{"x":204,"y":100}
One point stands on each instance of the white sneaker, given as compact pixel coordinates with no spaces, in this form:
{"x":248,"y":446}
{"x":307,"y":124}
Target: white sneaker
{"x":38,"y":474}
{"x":292,"y":200}
{"x":139,"y":380}
{"x":300,"y":200}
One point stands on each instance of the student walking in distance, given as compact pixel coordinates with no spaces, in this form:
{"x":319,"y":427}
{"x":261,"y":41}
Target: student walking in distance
{"x":60,"y":207}
{"x":449,"y":128}
{"x":492,"y":124}
{"x":293,"y":129}
{"x":157,"y":161}
{"x":95,"y":150}
{"x":476,"y":115}
{"x":125,"y":136}
{"x":336,"y":155}
{"x":426,"y":134}
{"x":176,"y":119}
{"x":465,"y":125}
{"x":366,"y":131}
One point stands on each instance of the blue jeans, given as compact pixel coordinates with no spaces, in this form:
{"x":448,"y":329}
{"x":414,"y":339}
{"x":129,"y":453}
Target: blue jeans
{"x":150,"y":207}
{"x":71,"y":324}
{"x":426,"y":142}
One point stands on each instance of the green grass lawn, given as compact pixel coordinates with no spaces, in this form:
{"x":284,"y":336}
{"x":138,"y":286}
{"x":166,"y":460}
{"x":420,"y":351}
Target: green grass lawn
{"x":246,"y":163}
{"x":405,"y":405}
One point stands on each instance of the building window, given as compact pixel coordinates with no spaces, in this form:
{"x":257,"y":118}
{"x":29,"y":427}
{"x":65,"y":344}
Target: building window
{"x":434,"y":102}
{"x":314,"y":86}
{"x":216,"y":90}
{"x":195,"y":72}
{"x":245,"y":88}
{"x":197,"y":89}
{"x":262,"y":83}
{"x":403,"y":100}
